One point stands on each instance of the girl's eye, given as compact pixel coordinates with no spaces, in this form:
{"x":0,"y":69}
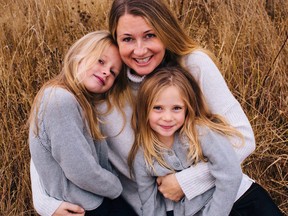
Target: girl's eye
{"x":157,"y":108}
{"x":177,"y":108}
{"x":113,"y":73}
{"x":101,"y":61}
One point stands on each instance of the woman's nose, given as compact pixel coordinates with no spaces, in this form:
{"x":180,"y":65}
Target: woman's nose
{"x":140,"y":49}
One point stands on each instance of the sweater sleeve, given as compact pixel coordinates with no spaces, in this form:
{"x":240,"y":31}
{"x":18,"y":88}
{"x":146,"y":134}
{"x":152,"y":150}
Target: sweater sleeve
{"x":71,"y":146}
{"x":226,"y":170}
{"x":43,"y":203}
{"x":220,"y":100}
{"x":152,"y":202}
{"x":67,"y":134}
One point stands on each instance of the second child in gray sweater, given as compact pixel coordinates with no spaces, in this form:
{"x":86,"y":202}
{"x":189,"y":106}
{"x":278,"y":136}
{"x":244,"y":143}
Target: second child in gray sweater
{"x":174,"y":131}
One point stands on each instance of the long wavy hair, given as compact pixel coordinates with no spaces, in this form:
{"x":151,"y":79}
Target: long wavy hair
{"x":163,"y":21}
{"x":197,"y":113}
{"x":167,"y":28}
{"x":81,"y":56}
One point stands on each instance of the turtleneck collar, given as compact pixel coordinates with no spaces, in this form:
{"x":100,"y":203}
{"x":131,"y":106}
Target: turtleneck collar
{"x":134,"y":78}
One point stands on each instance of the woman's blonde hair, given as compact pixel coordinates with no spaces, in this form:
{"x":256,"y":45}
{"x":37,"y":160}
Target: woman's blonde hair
{"x":197,"y":113}
{"x":165,"y":24}
{"x":81,"y":56}
{"x":167,"y":28}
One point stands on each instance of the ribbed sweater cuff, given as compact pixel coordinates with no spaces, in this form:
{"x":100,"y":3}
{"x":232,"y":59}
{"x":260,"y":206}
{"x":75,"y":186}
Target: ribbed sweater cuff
{"x":195,"y":180}
{"x":43,"y":203}
{"x":239,"y":120}
{"x":46,"y":210}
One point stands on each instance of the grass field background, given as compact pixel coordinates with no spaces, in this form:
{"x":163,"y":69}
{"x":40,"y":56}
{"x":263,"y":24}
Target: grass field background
{"x":249,"y":38}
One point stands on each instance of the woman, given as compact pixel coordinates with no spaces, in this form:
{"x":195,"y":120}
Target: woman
{"x":149,"y":36}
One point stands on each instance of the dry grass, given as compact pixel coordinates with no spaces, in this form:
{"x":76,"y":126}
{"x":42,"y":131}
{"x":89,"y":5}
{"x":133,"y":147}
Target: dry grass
{"x":249,"y":37}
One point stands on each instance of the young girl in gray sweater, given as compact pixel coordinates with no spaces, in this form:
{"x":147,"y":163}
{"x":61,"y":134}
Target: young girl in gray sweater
{"x":66,"y":144}
{"x":175,"y":130}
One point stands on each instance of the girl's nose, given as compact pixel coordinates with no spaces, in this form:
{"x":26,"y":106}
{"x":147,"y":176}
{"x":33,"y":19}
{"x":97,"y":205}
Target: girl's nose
{"x":167,"y":116}
{"x":106,"y":71}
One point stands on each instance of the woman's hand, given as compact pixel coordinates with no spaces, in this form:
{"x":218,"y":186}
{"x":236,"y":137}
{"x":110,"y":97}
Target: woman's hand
{"x":169,"y":187}
{"x":68,"y":209}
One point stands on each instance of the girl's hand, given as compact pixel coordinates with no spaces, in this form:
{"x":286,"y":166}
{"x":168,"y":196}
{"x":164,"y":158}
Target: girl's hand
{"x":68,"y":209}
{"x":169,"y":187}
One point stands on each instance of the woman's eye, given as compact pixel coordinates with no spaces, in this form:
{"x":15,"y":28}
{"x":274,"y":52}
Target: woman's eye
{"x":150,"y":35}
{"x":127,"y":39}
{"x":101,"y":61}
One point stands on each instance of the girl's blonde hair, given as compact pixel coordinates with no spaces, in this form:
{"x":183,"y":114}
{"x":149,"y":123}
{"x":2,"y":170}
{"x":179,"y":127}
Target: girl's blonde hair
{"x":81,"y":56}
{"x":197,"y":113}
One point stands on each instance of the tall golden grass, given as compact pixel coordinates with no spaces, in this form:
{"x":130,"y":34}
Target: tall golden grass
{"x":248,"y":37}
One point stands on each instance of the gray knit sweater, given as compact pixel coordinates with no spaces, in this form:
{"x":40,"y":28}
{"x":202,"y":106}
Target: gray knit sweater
{"x":71,"y":165}
{"x":194,"y":180}
{"x":223,"y":165}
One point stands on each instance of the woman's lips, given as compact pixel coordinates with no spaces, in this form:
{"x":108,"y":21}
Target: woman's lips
{"x":143,"y":61}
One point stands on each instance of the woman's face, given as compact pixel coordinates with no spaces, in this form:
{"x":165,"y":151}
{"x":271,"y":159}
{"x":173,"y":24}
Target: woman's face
{"x":139,"y":47}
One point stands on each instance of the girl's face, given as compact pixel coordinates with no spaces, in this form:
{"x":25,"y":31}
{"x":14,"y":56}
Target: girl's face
{"x":167,"y":114}
{"x":139,"y":47}
{"x":101,"y":76}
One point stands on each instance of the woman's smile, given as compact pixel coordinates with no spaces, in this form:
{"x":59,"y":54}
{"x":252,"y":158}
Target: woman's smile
{"x":143,"y":60}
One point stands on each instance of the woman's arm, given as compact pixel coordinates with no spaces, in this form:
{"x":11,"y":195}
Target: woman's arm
{"x":46,"y":205}
{"x":190,"y":182}
{"x":220,"y":100}
{"x":196,"y":180}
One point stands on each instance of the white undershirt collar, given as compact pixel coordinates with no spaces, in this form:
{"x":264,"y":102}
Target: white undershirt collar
{"x":134,"y":78}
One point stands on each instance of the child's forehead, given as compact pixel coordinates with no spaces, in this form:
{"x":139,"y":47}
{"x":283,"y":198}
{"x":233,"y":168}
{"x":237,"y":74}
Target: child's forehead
{"x":169,"y":90}
{"x":168,"y":93}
